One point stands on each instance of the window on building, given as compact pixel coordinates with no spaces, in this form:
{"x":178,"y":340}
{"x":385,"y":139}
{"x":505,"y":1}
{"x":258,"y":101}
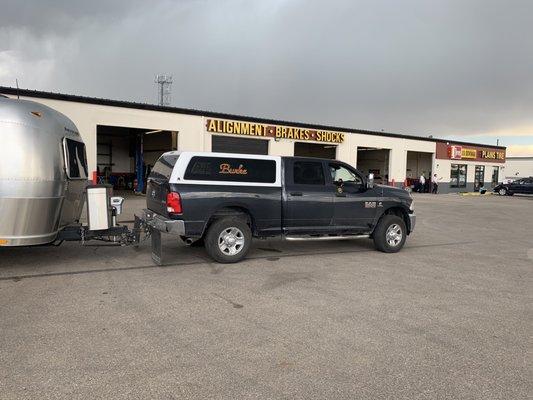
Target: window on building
{"x":495,"y":177}
{"x":479,"y":177}
{"x":458,"y":176}
{"x":308,"y":173}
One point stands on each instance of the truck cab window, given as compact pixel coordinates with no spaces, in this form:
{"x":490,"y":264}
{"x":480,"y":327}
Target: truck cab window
{"x":339,"y":172}
{"x":308,"y":173}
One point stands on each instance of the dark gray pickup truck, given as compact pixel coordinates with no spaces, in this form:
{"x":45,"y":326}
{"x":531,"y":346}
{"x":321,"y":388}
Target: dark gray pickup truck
{"x":223,"y":200}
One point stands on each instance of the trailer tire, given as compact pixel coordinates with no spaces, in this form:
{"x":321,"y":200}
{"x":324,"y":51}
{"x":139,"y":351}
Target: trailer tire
{"x":390,"y":234}
{"x":228,"y":239}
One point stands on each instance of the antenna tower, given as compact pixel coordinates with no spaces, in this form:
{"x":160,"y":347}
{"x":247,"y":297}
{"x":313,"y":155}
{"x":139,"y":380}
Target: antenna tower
{"x":164,"y":84}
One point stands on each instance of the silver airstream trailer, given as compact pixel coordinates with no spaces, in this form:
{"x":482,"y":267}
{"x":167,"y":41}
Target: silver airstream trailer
{"x":43,"y":173}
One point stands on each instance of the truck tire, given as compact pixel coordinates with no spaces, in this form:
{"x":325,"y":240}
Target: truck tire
{"x":228,"y":239}
{"x":390,"y":234}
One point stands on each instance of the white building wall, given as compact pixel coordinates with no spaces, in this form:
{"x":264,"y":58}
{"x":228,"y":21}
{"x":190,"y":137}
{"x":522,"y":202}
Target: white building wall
{"x":519,"y":167}
{"x":192,"y":135}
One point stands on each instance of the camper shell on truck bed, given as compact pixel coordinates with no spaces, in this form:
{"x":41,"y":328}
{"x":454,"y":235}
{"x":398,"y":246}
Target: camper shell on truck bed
{"x":226,"y":199}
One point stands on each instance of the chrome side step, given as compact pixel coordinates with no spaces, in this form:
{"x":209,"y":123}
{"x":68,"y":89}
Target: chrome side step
{"x":310,"y":238}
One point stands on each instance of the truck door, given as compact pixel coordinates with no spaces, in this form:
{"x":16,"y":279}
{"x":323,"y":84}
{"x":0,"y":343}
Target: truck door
{"x":308,"y":201}
{"x":529,"y":186}
{"x":517,"y":186}
{"x":355,"y":206}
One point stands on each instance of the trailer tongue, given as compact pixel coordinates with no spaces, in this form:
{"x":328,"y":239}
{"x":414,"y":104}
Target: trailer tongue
{"x":102,"y":212}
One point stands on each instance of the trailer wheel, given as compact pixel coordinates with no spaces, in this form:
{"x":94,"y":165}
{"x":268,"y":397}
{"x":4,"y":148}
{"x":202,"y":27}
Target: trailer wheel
{"x":390,"y":234}
{"x":228,"y":240}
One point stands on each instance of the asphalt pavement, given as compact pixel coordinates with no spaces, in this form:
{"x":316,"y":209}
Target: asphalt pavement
{"x":449,"y":317}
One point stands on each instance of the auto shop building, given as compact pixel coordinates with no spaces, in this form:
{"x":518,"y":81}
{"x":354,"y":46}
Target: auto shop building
{"x":124,"y":139}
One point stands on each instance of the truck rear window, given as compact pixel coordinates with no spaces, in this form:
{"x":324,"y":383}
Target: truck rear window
{"x":164,"y":166}
{"x":228,"y":169}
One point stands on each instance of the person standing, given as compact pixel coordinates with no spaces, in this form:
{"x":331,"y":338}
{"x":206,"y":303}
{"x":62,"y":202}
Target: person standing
{"x":435,"y":184}
{"x":422,"y":182}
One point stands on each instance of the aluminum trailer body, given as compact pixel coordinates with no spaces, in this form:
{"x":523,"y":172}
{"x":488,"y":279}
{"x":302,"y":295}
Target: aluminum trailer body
{"x":43,"y":173}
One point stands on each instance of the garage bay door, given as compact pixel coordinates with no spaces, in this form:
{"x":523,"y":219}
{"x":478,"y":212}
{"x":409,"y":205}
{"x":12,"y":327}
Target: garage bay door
{"x":225,"y":144}
{"x":315,"y":150}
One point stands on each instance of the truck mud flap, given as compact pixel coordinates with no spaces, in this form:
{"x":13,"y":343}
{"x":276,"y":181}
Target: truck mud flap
{"x":157,"y":251}
{"x":137,"y":231}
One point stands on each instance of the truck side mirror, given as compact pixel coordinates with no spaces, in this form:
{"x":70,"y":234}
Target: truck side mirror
{"x":370,"y":181}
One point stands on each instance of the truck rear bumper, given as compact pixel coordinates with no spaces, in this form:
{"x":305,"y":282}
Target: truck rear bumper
{"x":162,"y":224}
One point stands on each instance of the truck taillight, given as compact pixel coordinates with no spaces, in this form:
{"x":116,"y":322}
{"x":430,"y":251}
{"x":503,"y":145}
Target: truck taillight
{"x":173,"y":203}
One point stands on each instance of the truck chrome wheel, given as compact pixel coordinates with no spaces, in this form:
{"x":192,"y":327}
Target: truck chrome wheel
{"x":394,"y":235}
{"x":502,"y":192}
{"x":231,"y":241}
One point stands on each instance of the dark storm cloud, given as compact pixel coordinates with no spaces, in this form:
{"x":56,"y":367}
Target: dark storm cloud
{"x":61,"y":16}
{"x":421,"y":67}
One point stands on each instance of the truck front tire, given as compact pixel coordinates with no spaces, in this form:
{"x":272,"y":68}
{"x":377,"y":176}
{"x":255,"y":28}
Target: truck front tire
{"x":228,"y":239}
{"x":390,"y":234}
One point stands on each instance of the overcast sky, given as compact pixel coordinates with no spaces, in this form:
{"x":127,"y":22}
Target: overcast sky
{"x":445,"y":68}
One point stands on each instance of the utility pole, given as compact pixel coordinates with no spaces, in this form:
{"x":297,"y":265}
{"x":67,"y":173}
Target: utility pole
{"x":164,"y":84}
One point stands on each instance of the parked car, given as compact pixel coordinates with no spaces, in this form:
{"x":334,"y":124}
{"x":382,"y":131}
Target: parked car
{"x":226,"y":199}
{"x":521,"y":186}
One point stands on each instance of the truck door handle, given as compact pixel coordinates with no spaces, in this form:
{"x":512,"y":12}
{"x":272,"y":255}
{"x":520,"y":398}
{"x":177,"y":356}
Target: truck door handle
{"x":296,"y":193}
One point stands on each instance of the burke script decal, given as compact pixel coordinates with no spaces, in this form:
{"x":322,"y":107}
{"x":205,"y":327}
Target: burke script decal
{"x":226,"y":169}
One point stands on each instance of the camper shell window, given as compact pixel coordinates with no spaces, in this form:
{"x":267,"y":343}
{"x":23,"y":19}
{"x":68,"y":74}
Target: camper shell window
{"x":164,"y":166}
{"x":228,"y":169}
{"x":75,"y":159}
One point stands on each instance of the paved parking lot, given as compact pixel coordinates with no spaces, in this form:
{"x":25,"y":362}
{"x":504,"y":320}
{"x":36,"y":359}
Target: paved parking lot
{"x":450,"y":317}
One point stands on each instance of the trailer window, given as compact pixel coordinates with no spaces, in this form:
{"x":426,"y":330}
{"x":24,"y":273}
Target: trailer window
{"x":75,"y":159}
{"x":164,"y":166}
{"x":228,"y":169}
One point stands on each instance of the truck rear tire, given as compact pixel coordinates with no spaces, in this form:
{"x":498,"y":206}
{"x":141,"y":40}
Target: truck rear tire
{"x":228,"y":239}
{"x":390,"y":234}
